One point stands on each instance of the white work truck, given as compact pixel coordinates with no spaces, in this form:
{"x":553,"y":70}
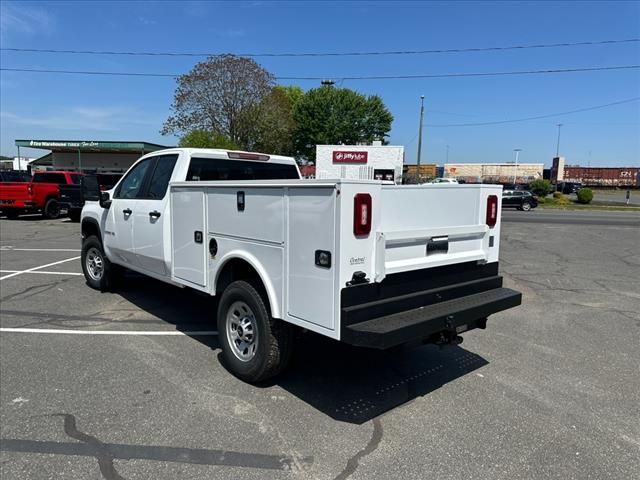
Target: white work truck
{"x":368,"y":263}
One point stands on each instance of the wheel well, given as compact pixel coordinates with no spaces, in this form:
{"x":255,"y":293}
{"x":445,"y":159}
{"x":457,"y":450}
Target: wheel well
{"x":90,"y":228}
{"x":239,"y":269}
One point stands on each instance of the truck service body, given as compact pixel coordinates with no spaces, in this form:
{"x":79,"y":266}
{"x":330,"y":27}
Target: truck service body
{"x":371,"y":264}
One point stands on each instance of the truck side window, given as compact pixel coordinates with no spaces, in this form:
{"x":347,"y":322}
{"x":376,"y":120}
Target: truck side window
{"x":161,"y":176}
{"x":132,"y":183}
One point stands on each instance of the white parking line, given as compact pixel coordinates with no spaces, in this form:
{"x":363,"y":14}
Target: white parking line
{"x":38,"y":268}
{"x":10,"y":248}
{"x":41,"y":272}
{"x":106,"y":332}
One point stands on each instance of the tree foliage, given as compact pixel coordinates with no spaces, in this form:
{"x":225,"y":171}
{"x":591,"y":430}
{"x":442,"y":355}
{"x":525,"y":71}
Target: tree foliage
{"x":207,"y":139}
{"x":541,"y":187}
{"x":329,"y":115}
{"x":219,"y":95}
{"x":585,"y":195}
{"x":273,"y":124}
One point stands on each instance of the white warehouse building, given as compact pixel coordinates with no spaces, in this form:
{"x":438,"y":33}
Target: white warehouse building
{"x":360,"y":162}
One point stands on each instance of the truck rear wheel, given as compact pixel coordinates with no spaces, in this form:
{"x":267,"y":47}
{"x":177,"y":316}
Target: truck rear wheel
{"x":51,"y":209}
{"x":98,"y":271}
{"x":255,"y":346}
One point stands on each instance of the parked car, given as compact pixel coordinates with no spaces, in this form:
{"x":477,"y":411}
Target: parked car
{"x":72,"y":196}
{"x":569,"y":187}
{"x":444,"y":180}
{"x":41,"y":194}
{"x":342,"y":258}
{"x":520,"y":199}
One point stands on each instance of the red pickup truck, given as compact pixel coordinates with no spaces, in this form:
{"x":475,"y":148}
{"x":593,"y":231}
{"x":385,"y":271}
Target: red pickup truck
{"x":41,"y":194}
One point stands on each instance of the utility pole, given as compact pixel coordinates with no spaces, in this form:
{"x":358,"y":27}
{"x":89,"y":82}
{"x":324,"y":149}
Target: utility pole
{"x":558,"y":145}
{"x":515,"y":172}
{"x":420,"y":133}
{"x":447,"y":154}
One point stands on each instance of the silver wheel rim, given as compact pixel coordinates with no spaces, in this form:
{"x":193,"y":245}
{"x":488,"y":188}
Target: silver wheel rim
{"x":526,"y":207}
{"x":95,"y":264}
{"x":242,"y":331}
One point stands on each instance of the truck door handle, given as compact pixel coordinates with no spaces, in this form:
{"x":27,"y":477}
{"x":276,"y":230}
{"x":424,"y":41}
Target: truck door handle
{"x":127,"y":211}
{"x":154,"y":214}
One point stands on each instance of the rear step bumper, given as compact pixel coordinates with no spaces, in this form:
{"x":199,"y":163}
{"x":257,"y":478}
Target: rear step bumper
{"x":451,"y":316}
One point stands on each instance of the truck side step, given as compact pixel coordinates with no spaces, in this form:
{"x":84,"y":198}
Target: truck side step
{"x":455,"y":316}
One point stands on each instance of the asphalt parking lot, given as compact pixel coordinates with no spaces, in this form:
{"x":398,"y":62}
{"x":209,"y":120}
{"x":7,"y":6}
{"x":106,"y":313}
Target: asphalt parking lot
{"x":549,"y":390}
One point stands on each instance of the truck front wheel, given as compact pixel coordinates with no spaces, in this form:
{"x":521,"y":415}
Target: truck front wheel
{"x":98,"y":271}
{"x":255,"y":346}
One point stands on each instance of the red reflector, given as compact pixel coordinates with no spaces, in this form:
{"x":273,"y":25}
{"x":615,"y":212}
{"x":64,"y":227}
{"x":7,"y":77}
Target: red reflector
{"x":361,"y":214}
{"x":247,"y":156}
{"x":492,"y":210}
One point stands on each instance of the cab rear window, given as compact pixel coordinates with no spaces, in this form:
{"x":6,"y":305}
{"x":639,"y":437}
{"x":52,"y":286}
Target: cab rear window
{"x":201,"y":169}
{"x":50,"y":178}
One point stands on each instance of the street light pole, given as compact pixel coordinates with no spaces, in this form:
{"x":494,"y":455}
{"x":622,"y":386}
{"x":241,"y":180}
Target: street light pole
{"x":420,"y":133}
{"x":515,"y":172}
{"x":558,"y":145}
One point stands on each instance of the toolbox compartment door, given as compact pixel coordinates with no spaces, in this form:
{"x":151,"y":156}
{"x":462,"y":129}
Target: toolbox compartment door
{"x":188,"y":236}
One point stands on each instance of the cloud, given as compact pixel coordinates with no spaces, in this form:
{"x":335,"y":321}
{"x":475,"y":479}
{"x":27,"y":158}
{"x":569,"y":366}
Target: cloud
{"x":147,"y":21}
{"x":108,"y":119}
{"x":24,"y":19}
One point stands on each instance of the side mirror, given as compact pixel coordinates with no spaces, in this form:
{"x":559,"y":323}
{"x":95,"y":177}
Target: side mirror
{"x":105,"y":201}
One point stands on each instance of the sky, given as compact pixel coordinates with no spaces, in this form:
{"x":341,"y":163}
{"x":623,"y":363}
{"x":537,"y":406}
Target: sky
{"x":79,"y":107}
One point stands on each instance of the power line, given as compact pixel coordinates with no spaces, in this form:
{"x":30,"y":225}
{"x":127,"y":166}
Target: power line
{"x":373,"y":77}
{"x":537,"y":117}
{"x":325,"y":54}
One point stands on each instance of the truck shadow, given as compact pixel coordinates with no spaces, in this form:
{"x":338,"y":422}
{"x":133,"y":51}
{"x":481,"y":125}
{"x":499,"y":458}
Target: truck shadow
{"x":355,"y":385}
{"x":346,"y":383}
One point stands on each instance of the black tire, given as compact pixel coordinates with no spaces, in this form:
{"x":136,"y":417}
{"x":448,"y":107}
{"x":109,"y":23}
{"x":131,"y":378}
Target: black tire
{"x":74,"y":215}
{"x":51,"y":209}
{"x":526,"y":206}
{"x":106,"y":281}
{"x":273,"y":338}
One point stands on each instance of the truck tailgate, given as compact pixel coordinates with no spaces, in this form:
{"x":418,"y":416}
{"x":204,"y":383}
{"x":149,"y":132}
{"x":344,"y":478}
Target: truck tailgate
{"x":434,"y":225}
{"x":14,"y":191}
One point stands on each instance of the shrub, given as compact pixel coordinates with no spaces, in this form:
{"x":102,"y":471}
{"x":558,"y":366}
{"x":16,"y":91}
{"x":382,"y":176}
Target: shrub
{"x":557,"y":195}
{"x":541,"y":187}
{"x":585,"y":195}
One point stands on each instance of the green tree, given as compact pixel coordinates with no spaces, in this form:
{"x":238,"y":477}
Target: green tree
{"x":271,"y":121}
{"x":207,"y":139}
{"x":216,"y":95}
{"x":541,"y":187}
{"x":329,"y":115}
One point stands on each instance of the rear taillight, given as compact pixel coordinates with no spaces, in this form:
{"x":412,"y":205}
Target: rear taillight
{"x":492,"y":210}
{"x":362,"y":214}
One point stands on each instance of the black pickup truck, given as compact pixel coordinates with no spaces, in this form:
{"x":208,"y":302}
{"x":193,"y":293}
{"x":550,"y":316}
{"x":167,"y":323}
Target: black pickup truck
{"x":72,"y":196}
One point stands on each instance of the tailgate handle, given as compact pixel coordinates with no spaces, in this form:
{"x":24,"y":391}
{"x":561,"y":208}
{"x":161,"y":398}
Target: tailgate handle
{"x":438,"y":245}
